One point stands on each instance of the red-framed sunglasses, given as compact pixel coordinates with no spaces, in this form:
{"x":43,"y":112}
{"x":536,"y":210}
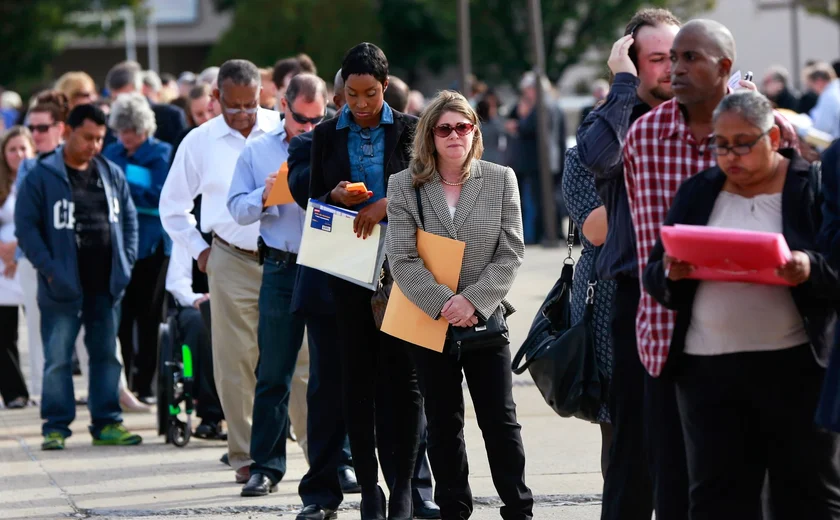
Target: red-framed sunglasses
{"x":445,"y":130}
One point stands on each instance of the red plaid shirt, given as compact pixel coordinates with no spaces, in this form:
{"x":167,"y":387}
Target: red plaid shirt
{"x":660,"y":152}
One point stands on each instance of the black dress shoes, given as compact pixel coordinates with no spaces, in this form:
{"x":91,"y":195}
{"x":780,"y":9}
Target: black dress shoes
{"x":316,"y":512}
{"x":349,"y":484}
{"x":258,"y":486}
{"x":426,"y":510}
{"x":372,"y":506}
{"x":210,"y":431}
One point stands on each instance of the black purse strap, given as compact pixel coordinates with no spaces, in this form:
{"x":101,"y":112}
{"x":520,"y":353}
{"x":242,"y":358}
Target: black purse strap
{"x":420,"y":207}
{"x":570,"y":241}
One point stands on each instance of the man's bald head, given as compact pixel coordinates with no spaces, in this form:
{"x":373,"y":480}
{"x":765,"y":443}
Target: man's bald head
{"x":721,"y":43}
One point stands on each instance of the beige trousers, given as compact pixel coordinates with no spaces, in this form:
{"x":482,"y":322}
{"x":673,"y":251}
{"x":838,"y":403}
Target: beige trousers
{"x":297,"y":399}
{"x":235,"y":280}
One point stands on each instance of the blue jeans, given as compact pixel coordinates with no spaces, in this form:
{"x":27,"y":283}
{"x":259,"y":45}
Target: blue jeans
{"x":280,"y":335}
{"x":59,"y":329}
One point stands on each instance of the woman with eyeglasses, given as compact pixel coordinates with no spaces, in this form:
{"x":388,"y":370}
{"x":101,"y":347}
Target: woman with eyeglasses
{"x":476,"y":202}
{"x":749,"y":375}
{"x":369,"y":142}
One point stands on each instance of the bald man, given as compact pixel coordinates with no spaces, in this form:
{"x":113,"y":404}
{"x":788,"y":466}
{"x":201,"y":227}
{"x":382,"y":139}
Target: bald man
{"x":665,"y":147}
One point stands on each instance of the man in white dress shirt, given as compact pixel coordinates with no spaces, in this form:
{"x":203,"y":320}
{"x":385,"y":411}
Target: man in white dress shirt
{"x":204,"y":165}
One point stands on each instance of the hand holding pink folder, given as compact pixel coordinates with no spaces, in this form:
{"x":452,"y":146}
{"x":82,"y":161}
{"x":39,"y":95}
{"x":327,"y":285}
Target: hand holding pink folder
{"x":730,"y":255}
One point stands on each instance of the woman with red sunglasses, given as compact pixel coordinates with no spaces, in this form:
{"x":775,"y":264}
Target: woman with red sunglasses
{"x":448,"y":191}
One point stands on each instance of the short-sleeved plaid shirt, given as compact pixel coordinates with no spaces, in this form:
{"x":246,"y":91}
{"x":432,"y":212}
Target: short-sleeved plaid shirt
{"x":660,"y":152}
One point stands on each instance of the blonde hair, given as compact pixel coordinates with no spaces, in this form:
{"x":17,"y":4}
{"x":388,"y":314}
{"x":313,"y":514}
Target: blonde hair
{"x":7,"y":176}
{"x":71,"y":83}
{"x":423,"y":164}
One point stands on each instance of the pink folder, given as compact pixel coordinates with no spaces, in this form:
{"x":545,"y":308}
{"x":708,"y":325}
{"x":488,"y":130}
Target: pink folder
{"x":730,"y":255}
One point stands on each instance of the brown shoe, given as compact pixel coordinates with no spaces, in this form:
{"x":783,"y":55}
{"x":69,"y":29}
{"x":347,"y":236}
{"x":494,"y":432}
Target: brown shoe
{"x":243,"y":475}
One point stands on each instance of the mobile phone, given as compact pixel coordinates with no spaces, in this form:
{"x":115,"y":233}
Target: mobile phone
{"x":356,"y":187}
{"x":749,"y":76}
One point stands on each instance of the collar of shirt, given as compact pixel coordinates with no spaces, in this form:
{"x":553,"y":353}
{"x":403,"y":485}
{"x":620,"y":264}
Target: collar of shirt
{"x":220,"y":128}
{"x":345,"y":118}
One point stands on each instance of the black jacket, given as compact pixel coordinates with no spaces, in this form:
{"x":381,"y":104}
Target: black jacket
{"x":171,"y":123}
{"x":801,"y":219}
{"x":330,"y":161}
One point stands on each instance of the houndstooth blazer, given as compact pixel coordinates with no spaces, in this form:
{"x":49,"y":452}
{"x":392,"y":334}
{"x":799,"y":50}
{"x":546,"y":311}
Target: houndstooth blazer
{"x":488,"y":219}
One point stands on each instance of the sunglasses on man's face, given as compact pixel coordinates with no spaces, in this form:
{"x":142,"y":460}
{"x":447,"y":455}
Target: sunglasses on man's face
{"x":39,"y":128}
{"x":445,"y":130}
{"x":301,"y":120}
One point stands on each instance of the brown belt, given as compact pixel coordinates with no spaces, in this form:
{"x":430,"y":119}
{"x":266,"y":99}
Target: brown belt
{"x":248,"y":252}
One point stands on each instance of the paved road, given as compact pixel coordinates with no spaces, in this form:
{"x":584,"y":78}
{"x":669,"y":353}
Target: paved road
{"x":155,"y":479}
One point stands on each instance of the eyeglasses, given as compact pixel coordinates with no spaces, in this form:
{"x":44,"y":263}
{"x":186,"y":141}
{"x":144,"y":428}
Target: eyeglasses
{"x":235,"y":111}
{"x":82,"y":94}
{"x":445,"y":130}
{"x":40,"y":128}
{"x":301,"y":119}
{"x":739,"y":149}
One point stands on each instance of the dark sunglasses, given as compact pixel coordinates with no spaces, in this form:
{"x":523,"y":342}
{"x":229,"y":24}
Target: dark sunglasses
{"x":445,"y":130}
{"x":303,"y":120}
{"x":40,"y":128}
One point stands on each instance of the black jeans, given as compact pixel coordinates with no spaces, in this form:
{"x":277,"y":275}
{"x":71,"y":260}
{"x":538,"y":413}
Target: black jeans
{"x":367,"y":355}
{"x":142,"y":306}
{"x":747,"y":414}
{"x":193,"y":332}
{"x":12,"y":384}
{"x":489,"y":378}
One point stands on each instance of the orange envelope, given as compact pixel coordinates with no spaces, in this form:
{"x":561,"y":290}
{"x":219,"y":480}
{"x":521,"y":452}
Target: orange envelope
{"x":404,"y":320}
{"x":280,"y":193}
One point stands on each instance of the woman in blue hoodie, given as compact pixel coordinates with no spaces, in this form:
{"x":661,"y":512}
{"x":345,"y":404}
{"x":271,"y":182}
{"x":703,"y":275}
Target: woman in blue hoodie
{"x":145,"y":161}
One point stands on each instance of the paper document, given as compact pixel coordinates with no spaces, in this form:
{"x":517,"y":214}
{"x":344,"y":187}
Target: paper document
{"x":280,"y":193}
{"x":730,"y":255}
{"x":443,"y":257}
{"x":330,"y":245}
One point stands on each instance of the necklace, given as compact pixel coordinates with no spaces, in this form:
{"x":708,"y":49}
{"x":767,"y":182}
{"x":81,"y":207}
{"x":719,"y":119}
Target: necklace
{"x":453,"y":183}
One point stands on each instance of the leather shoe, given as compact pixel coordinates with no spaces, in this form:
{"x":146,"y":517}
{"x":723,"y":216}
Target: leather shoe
{"x":426,"y":510}
{"x":349,"y":484}
{"x":258,"y":486}
{"x":316,"y":512}
{"x":243,"y":475}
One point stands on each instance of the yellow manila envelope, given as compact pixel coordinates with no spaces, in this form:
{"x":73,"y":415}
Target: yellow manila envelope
{"x":280,"y":193}
{"x":443,"y":257}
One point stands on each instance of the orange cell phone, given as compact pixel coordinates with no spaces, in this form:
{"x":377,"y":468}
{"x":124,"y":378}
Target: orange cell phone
{"x":356,"y":187}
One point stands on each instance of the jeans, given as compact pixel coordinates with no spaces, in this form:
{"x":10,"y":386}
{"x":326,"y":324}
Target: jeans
{"x":280,"y":336}
{"x":59,"y":328}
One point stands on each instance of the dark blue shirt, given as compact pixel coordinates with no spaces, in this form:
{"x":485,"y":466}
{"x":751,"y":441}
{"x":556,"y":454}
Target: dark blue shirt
{"x":366,"y":148}
{"x":600,"y":140}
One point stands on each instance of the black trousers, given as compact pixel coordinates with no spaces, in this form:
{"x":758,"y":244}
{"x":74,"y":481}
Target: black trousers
{"x":647,"y":469}
{"x":142,"y":306}
{"x":194,"y":332}
{"x":12,"y":384}
{"x":367,"y":355}
{"x":490,"y":382}
{"x":750,"y":414}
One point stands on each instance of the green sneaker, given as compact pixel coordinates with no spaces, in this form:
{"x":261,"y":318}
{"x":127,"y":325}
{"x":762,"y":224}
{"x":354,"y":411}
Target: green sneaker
{"x":53,"y":441}
{"x":116,"y":435}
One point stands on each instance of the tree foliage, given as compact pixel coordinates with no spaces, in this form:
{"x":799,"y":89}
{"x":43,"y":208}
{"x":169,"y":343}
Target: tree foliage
{"x":421,"y":35}
{"x":828,"y":8}
{"x":33,"y":33}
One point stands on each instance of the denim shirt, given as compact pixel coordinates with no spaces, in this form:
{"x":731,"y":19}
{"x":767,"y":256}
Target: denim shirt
{"x":366,"y":148}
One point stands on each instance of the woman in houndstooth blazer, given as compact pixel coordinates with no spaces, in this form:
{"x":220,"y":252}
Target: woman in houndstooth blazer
{"x":476,"y":202}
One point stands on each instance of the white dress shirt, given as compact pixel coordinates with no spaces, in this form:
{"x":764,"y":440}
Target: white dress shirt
{"x":179,"y":276}
{"x":11,"y":293}
{"x":204,"y":165}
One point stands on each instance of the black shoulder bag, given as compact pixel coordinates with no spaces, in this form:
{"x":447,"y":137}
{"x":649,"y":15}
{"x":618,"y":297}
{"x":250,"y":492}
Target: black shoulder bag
{"x":560,"y":356}
{"x":489,"y":333}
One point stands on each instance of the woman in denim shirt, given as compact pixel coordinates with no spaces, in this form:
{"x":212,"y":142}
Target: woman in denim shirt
{"x":368,"y":142}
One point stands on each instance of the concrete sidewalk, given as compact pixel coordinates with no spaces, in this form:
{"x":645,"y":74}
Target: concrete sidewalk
{"x":155,"y":479}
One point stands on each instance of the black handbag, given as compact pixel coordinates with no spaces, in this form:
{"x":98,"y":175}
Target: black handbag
{"x":560,"y":356}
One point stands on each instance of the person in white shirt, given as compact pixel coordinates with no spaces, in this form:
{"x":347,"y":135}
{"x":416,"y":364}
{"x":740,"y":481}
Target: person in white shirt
{"x":826,"y":114}
{"x":193,"y":331}
{"x":204,"y":165}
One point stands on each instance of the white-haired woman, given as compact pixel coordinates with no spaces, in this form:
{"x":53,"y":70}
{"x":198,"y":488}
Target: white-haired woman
{"x":145,"y":161}
{"x":448,"y":191}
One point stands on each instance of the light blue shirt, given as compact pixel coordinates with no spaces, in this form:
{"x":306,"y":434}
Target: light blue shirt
{"x":281,"y":227}
{"x":826,"y":113}
{"x":366,"y":148}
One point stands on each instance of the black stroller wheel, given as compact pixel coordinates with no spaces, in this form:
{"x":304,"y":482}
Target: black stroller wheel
{"x":178,"y":434}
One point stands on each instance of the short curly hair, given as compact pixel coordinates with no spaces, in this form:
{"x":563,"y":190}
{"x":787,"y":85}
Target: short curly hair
{"x":132,"y":112}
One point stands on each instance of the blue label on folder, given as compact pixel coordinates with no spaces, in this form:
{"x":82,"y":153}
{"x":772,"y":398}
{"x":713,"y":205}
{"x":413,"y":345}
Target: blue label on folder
{"x":322,"y":220}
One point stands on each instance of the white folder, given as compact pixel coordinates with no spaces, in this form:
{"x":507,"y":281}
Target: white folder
{"x":330,"y":245}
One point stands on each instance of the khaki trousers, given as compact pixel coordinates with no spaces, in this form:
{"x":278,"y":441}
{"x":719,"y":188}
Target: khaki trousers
{"x":297,"y":400}
{"x":235,"y":280}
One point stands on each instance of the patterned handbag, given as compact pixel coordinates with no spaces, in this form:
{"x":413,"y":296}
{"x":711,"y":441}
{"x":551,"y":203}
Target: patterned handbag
{"x":379,"y":300}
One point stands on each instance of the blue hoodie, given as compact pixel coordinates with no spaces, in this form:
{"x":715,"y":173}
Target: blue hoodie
{"x":146,"y":171}
{"x":46,"y":234}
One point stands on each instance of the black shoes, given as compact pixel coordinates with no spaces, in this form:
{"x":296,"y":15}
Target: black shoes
{"x":211,"y":431}
{"x":426,"y":510}
{"x":316,"y":512}
{"x":373,"y":504}
{"x":349,"y":484}
{"x":258,"y":486}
